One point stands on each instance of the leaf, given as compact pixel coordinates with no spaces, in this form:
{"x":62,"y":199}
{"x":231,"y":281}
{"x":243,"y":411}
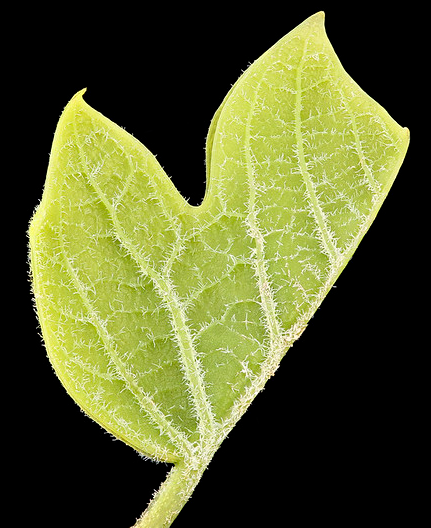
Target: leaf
{"x":164,"y":320}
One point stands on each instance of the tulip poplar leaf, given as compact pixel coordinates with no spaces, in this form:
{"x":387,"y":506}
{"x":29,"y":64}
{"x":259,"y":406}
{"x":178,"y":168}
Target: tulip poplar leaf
{"x":164,"y":320}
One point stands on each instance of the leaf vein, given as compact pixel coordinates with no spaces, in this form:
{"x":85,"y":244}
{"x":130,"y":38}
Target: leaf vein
{"x":145,"y":402}
{"x":191,"y":366}
{"x":325,"y":235}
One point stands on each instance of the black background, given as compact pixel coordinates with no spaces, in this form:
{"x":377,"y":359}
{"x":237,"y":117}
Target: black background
{"x":335,"y":435}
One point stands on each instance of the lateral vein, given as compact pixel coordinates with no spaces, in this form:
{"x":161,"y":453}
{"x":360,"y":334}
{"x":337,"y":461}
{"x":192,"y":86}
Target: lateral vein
{"x":265,"y":290}
{"x":146,"y":403}
{"x":373,"y":184}
{"x":326,"y":236}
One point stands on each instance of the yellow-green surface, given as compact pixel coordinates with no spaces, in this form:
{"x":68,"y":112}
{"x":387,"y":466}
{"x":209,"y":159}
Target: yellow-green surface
{"x":163,"y":320}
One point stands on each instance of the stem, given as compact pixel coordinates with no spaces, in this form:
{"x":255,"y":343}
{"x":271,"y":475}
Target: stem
{"x":171,"y":497}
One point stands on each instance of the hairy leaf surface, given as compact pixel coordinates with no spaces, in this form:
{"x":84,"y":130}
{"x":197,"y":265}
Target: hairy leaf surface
{"x":164,"y":320}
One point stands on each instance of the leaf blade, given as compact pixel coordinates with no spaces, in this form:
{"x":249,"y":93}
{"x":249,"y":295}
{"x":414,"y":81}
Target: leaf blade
{"x":165,"y":320}
{"x":311,"y":214}
{"x":130,"y":279}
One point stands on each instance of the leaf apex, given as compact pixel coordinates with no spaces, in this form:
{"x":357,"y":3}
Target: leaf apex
{"x":314,"y":23}
{"x":77,"y":100}
{"x":79,"y":94}
{"x":318,"y":18}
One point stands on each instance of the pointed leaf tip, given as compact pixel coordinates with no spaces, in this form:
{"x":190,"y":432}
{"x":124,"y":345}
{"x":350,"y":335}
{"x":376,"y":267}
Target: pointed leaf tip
{"x":77,"y":99}
{"x":79,"y":94}
{"x":315,"y":23}
{"x":317,"y":19}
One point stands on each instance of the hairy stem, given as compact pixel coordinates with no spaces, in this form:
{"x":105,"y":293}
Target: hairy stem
{"x":171,"y":497}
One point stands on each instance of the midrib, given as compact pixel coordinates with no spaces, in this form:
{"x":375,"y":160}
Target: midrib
{"x":280,"y":341}
{"x":192,"y":369}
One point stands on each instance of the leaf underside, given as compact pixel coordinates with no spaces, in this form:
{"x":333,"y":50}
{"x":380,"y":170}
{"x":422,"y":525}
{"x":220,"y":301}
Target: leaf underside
{"x":164,"y":320}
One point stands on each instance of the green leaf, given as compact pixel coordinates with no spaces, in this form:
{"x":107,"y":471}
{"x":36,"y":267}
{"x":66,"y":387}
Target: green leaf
{"x":164,"y":320}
